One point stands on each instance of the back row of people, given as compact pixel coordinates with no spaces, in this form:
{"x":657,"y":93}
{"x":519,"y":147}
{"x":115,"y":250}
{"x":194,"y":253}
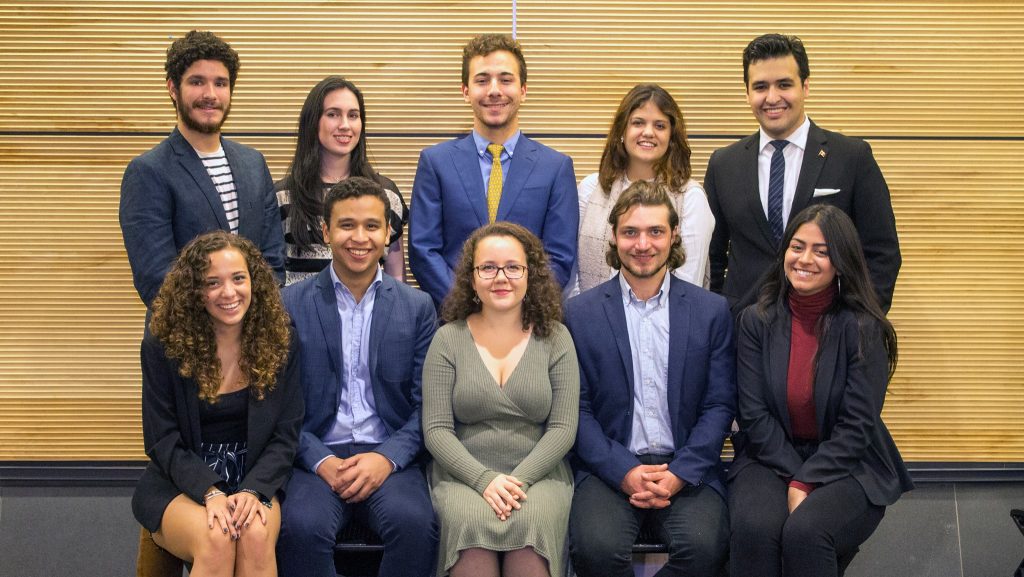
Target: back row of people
{"x":651,"y":424}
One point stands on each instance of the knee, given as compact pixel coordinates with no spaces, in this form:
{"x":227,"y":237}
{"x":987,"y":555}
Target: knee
{"x":597,"y":547}
{"x":299,"y":526}
{"x":411,"y":522}
{"x":214,"y":549}
{"x":747,"y":528}
{"x":800,"y":534}
{"x":255,"y":546}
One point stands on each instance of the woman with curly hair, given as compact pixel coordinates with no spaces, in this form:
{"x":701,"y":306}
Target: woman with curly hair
{"x":500,"y":406}
{"x":221,"y":409}
{"x":646,"y":141}
{"x":815,"y":466}
{"x":331,"y":146}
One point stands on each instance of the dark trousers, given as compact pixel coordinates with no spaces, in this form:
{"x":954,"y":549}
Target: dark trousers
{"x":603,"y":527}
{"x":827,"y":527}
{"x":399,"y":511}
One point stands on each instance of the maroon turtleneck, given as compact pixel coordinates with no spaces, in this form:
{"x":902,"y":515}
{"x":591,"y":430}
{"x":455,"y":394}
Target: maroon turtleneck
{"x":807,"y":310}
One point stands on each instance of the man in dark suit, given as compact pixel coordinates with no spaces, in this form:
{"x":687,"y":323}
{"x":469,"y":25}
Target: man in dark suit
{"x":494,"y":173}
{"x":755,"y":185}
{"x":657,"y":397}
{"x":364,"y":336}
{"x":195,"y":181}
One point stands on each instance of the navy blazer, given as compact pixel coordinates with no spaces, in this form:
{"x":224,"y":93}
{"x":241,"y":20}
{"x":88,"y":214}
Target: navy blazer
{"x":742,"y":245}
{"x":449,"y":202}
{"x":849,"y":390}
{"x":168,"y":199}
{"x":402,"y":326}
{"x":173,"y":436}
{"x":701,"y":383}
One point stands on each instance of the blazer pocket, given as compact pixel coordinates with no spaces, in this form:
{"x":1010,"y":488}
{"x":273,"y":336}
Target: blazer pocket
{"x":819,"y":192}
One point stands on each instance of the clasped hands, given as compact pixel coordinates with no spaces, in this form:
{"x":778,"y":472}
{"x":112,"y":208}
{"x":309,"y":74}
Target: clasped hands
{"x":504,"y":494}
{"x":233,"y":513}
{"x":651,"y":486}
{"x":357,"y":477}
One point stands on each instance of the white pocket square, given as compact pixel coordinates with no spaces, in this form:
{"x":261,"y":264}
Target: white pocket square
{"x":825,"y":192}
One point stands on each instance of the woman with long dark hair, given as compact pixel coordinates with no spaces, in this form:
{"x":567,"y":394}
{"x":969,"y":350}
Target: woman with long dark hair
{"x":221,"y":409}
{"x":815,"y":466}
{"x":331,"y":147}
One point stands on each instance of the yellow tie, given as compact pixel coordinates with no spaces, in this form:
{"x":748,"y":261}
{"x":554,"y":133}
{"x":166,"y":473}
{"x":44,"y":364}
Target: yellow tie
{"x":494,"y":183}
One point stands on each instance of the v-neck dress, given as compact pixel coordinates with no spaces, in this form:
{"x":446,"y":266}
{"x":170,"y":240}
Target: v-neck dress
{"x":476,"y":430}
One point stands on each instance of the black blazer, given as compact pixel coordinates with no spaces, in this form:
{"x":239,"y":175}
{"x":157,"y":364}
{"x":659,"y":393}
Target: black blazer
{"x":742,"y":246}
{"x":849,"y":390}
{"x":172,"y":436}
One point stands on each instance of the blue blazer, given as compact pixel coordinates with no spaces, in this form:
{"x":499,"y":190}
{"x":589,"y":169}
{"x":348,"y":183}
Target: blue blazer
{"x":449,"y":202}
{"x":701,"y":383}
{"x":403,"y":324}
{"x":167,"y":199}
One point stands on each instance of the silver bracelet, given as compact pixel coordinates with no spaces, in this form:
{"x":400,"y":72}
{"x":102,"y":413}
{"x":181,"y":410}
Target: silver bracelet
{"x":212,"y":494}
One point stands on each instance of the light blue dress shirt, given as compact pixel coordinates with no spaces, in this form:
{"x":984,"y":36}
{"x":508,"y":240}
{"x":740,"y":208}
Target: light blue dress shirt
{"x":648,"y":325}
{"x":486,"y":159}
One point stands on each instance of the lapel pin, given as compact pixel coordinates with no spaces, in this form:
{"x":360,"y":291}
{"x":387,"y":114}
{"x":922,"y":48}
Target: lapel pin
{"x":821,"y":153}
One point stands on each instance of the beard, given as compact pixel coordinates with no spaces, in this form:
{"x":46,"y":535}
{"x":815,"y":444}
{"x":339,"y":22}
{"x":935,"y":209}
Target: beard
{"x":201,"y":127}
{"x":652,"y":270}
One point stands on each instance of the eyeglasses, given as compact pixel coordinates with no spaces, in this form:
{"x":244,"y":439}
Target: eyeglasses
{"x":489,"y":271}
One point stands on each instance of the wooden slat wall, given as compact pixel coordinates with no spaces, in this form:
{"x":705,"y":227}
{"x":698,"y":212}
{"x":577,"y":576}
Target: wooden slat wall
{"x":935,"y":86}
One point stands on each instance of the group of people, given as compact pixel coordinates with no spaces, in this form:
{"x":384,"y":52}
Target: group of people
{"x":584,"y":378}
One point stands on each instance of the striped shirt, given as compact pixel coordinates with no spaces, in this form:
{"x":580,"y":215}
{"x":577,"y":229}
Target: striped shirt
{"x":217,"y":167}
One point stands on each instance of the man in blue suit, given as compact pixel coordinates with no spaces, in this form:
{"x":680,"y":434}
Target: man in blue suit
{"x":494,"y":173}
{"x":657,"y":397}
{"x":364,"y":336}
{"x":195,"y":181}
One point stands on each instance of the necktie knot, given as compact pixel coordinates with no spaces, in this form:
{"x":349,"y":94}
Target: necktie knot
{"x":495,"y":150}
{"x":779,"y":144}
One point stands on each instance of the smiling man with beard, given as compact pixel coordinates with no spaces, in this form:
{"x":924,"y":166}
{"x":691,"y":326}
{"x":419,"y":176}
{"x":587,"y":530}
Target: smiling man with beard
{"x":657,"y":397}
{"x":195,"y":181}
{"x":493,"y":173}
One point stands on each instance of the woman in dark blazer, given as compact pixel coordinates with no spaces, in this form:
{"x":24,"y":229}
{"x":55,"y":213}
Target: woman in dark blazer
{"x":221,"y":409}
{"x":815,"y":466}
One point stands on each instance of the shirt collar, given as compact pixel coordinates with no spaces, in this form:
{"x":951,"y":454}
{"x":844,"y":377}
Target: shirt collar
{"x":799,"y":136}
{"x":338,"y":285}
{"x":657,"y":300}
{"x":482,"y":143}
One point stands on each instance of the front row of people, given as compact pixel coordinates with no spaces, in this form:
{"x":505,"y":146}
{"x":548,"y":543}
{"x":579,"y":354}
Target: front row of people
{"x":637,"y":391}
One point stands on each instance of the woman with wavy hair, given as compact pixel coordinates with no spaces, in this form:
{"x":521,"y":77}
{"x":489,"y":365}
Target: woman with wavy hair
{"x":815,"y":466}
{"x":331,"y":147}
{"x":500,"y":407}
{"x":646,"y":141}
{"x":221,"y":409}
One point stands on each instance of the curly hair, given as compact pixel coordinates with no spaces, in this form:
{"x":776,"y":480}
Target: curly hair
{"x":183,"y":326}
{"x":542,"y":304}
{"x":643,"y":193}
{"x":673,"y":168}
{"x":197,"y":45}
{"x":485,"y":44}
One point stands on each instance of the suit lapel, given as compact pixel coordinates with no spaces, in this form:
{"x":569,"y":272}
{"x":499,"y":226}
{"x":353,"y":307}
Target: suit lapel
{"x":778,"y":357}
{"x":467,"y":164}
{"x":380,"y":321}
{"x":519,"y":171}
{"x":327,"y":311}
{"x":617,"y":321}
{"x":752,"y":192}
{"x":678,"y":331}
{"x":248,"y":223}
{"x":817,"y":146}
{"x":824,"y":378}
{"x":190,"y":161}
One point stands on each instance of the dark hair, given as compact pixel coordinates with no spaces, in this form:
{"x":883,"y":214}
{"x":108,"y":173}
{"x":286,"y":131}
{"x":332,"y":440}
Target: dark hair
{"x":674,"y":168}
{"x":643,"y":193}
{"x":485,"y":44}
{"x":354,"y":187}
{"x":855,"y":291}
{"x":303,"y":181}
{"x":542,"y":305}
{"x":183,"y":326}
{"x":775,"y":46}
{"x":197,"y":45}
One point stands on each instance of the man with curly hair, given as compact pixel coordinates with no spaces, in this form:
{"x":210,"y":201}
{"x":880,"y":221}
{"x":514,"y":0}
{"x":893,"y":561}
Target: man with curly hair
{"x":657,"y":397}
{"x":364,"y":337}
{"x":195,"y":181}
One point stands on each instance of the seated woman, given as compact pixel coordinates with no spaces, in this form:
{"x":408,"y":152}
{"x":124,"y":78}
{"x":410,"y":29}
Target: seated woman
{"x":646,"y":141}
{"x":221,"y":409}
{"x":815,"y":466}
{"x":500,"y":407}
{"x":331,"y":146}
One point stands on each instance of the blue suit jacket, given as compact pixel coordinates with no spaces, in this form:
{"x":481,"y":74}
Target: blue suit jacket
{"x":449,"y":202}
{"x":167,"y":199}
{"x":701,"y":383}
{"x":402,"y":326}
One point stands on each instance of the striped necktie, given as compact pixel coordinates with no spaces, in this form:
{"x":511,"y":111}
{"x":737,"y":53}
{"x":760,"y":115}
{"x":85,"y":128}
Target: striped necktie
{"x":776,"y":182}
{"x":494,"y":183}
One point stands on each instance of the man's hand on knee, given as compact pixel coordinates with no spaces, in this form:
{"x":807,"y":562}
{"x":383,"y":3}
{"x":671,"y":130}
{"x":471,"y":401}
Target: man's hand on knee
{"x":363,"y":474}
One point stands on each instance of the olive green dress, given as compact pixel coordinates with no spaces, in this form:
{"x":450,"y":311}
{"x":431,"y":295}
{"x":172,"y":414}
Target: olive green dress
{"x":476,"y":430}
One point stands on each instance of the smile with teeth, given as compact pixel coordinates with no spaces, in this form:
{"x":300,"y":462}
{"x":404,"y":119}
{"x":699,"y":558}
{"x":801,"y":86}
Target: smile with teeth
{"x":230,"y":306}
{"x":804,"y":273}
{"x":359,"y":252}
{"x":646,"y":144}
